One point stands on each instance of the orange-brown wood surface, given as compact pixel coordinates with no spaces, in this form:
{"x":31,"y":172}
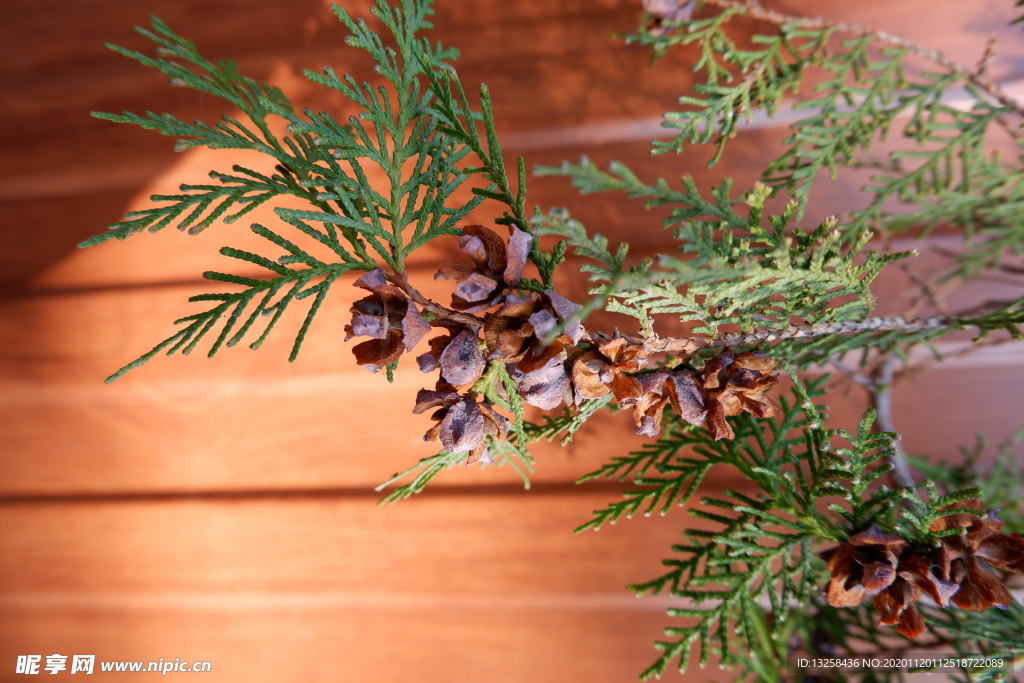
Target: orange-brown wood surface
{"x":223,"y":510}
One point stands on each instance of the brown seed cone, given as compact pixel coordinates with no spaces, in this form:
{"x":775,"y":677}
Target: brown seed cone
{"x":495,"y":269}
{"x":649,"y":408}
{"x":687,"y":396}
{"x":867,"y":561}
{"x":874,"y":562}
{"x":546,"y":312}
{"x":734,"y":384}
{"x":969,"y":560}
{"x":660,"y":11}
{"x":597,"y":373}
{"x":461,"y":423}
{"x":462,"y":362}
{"x":389,"y":317}
{"x":546,"y":388}
{"x":509,"y":332}
{"x":457,"y":354}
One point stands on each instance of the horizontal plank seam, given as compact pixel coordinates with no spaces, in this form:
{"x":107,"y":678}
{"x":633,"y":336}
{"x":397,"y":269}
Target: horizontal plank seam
{"x":271,"y":600}
{"x":253,"y":601}
{"x":329,"y":493}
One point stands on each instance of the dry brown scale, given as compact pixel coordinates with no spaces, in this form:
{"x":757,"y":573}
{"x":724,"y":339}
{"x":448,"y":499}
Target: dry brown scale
{"x":572,"y":367}
{"x":575,"y":366}
{"x":961,"y":570}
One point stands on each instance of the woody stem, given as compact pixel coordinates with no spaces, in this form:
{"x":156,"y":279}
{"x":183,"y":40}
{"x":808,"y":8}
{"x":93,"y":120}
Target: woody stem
{"x":765,"y":335}
{"x":656,"y":344}
{"x":401,"y":280}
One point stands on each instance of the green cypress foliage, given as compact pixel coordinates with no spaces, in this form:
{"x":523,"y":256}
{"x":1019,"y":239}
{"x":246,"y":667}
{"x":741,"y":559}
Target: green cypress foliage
{"x":827,"y":520}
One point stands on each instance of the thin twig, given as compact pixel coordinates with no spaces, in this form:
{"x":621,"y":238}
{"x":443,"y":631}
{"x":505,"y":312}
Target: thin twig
{"x":987,"y":57}
{"x":851,"y":374}
{"x":688,"y":345}
{"x":928,"y":293}
{"x":765,"y":335}
{"x":401,"y":281}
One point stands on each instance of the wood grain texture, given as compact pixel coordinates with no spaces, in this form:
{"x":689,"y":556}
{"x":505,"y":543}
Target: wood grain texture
{"x":476,"y":545}
{"x":450,"y":587}
{"x":348,"y":643}
{"x":575,"y":74}
{"x":222,"y":510}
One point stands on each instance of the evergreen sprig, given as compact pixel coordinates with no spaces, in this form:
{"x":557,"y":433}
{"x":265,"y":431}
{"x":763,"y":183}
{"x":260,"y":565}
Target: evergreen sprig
{"x":256,"y":298}
{"x":732,"y":570}
{"x":390,"y":179}
{"x":321,"y":161}
{"x":944,"y":172}
{"x":737,"y":81}
{"x":997,"y":633}
{"x":850,"y":472}
{"x":950,"y":178}
{"x":459,"y":120}
{"x":1000,"y":481}
{"x":915,"y":524}
{"x":569,"y":422}
{"x":678,"y":481}
{"x":201,"y":205}
{"x":753,"y":271}
{"x":396,"y":132}
{"x":422,"y":473}
{"x":762,"y":548}
{"x":808,"y":351}
{"x":511,"y":452}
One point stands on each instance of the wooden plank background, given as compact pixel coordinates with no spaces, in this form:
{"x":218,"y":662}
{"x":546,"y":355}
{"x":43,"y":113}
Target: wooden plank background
{"x":223,"y":510}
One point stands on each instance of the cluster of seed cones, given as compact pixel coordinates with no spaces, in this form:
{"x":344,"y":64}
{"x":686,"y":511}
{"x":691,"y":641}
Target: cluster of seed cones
{"x":546,"y":352}
{"x":960,"y":571}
